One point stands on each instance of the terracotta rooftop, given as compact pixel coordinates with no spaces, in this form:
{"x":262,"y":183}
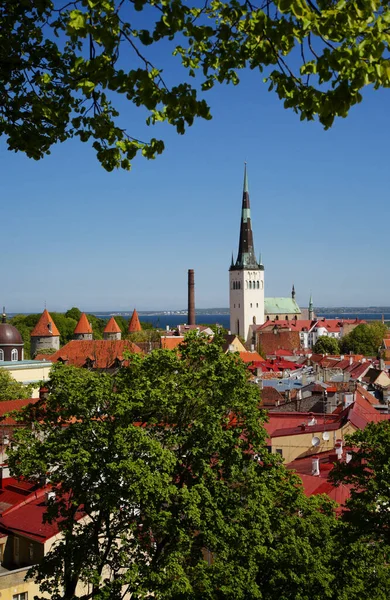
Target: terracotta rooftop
{"x":25,"y":517}
{"x":319,"y":484}
{"x":134,"y":324}
{"x":171,"y":342}
{"x":7,"y":406}
{"x":99,"y":354}
{"x":112,"y":327}
{"x":45,"y":326}
{"x":83,"y":326}
{"x":249,"y":357}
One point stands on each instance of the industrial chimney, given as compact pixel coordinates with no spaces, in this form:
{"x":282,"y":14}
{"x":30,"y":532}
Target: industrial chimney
{"x":191,"y":297}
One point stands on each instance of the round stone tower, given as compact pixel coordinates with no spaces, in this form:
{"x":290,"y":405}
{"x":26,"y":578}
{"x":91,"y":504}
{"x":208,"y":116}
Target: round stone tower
{"x":83,"y":330}
{"x":112,"y":330}
{"x":45,"y":334}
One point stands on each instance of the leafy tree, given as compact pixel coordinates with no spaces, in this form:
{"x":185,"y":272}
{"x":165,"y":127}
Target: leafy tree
{"x":10,"y":389}
{"x":63,"y":68}
{"x":168,"y":459}
{"x":326,"y":345}
{"x":365,"y":339}
{"x":73,"y":313}
{"x":366,"y":519}
{"x":66,"y":326}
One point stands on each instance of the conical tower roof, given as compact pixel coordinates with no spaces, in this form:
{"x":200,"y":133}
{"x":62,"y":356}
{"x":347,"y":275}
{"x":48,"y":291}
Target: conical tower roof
{"x":246,"y":258}
{"x":45,"y":326}
{"x":83,"y":326}
{"x":134,"y":324}
{"x":112,"y":327}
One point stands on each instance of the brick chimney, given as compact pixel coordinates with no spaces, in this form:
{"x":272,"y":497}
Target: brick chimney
{"x":191,"y":297}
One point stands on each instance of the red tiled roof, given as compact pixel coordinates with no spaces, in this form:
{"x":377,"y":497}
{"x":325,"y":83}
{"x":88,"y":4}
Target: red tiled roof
{"x":290,"y":423}
{"x":171,"y":342}
{"x":319,"y":484}
{"x":283,"y":352}
{"x":102,"y":353}
{"x":14,"y":492}
{"x":83,"y":326}
{"x":112,"y":327}
{"x":45,"y":323}
{"x":271,"y":343}
{"x":248,"y":357}
{"x":293,"y":324}
{"x":26,"y":519}
{"x":7,"y":406}
{"x":270,"y":396}
{"x":134,"y":324}
{"x":277,"y":365}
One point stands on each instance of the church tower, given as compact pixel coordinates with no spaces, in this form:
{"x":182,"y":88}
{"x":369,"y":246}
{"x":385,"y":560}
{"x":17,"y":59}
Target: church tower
{"x":246,"y":277}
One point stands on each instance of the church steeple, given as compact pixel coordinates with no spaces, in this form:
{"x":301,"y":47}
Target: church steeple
{"x":311,"y":308}
{"x":246,"y":258}
{"x":293,"y":292}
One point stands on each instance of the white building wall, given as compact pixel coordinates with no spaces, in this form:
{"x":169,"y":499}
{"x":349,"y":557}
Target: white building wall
{"x":246,"y":300}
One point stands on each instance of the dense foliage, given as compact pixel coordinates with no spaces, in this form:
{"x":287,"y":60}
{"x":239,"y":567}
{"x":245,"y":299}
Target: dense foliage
{"x":326,"y":345}
{"x":64,"y":68}
{"x":366,"y":521}
{"x":365,"y":339}
{"x":10,"y":389}
{"x":169,"y":460}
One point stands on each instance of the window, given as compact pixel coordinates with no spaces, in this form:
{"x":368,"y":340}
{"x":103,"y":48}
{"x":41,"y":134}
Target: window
{"x":257,"y":284}
{"x":14,"y":354}
{"x":21,"y":596}
{"x":251,"y":304}
{"x":250,"y":285}
{"x":279,"y":451}
{"x":257,"y":305}
{"x":1,"y":355}
{"x":254,"y":284}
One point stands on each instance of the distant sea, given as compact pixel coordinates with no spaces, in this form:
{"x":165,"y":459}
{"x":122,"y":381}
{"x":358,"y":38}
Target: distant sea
{"x":162,"y":321}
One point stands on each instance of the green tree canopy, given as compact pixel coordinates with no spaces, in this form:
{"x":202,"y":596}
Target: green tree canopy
{"x":10,"y":389}
{"x":64,"y":68}
{"x":326,"y":345}
{"x":365,"y":339}
{"x":73,"y":313}
{"x":366,"y":520}
{"x":169,"y":460}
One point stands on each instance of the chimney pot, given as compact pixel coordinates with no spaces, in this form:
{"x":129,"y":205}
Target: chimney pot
{"x":315,"y":466}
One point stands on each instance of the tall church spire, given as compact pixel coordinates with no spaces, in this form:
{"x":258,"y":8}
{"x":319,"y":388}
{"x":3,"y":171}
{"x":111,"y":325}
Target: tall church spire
{"x":311,"y":308}
{"x":246,"y":258}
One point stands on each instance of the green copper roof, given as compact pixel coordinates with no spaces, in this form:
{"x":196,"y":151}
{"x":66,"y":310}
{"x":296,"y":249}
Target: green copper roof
{"x":281,"y":306}
{"x":246,"y":189}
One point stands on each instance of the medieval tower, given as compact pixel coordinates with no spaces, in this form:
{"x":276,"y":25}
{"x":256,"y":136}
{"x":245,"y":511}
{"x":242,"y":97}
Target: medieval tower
{"x":246,"y":277}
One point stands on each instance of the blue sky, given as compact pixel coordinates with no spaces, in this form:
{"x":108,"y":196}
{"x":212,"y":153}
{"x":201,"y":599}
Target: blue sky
{"x":75,"y":235}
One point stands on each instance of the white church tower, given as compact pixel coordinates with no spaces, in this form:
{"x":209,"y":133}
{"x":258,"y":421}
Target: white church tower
{"x":246,"y":277}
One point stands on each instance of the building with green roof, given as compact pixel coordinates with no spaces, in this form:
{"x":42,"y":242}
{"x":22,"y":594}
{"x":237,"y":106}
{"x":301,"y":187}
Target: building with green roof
{"x":281,"y":308}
